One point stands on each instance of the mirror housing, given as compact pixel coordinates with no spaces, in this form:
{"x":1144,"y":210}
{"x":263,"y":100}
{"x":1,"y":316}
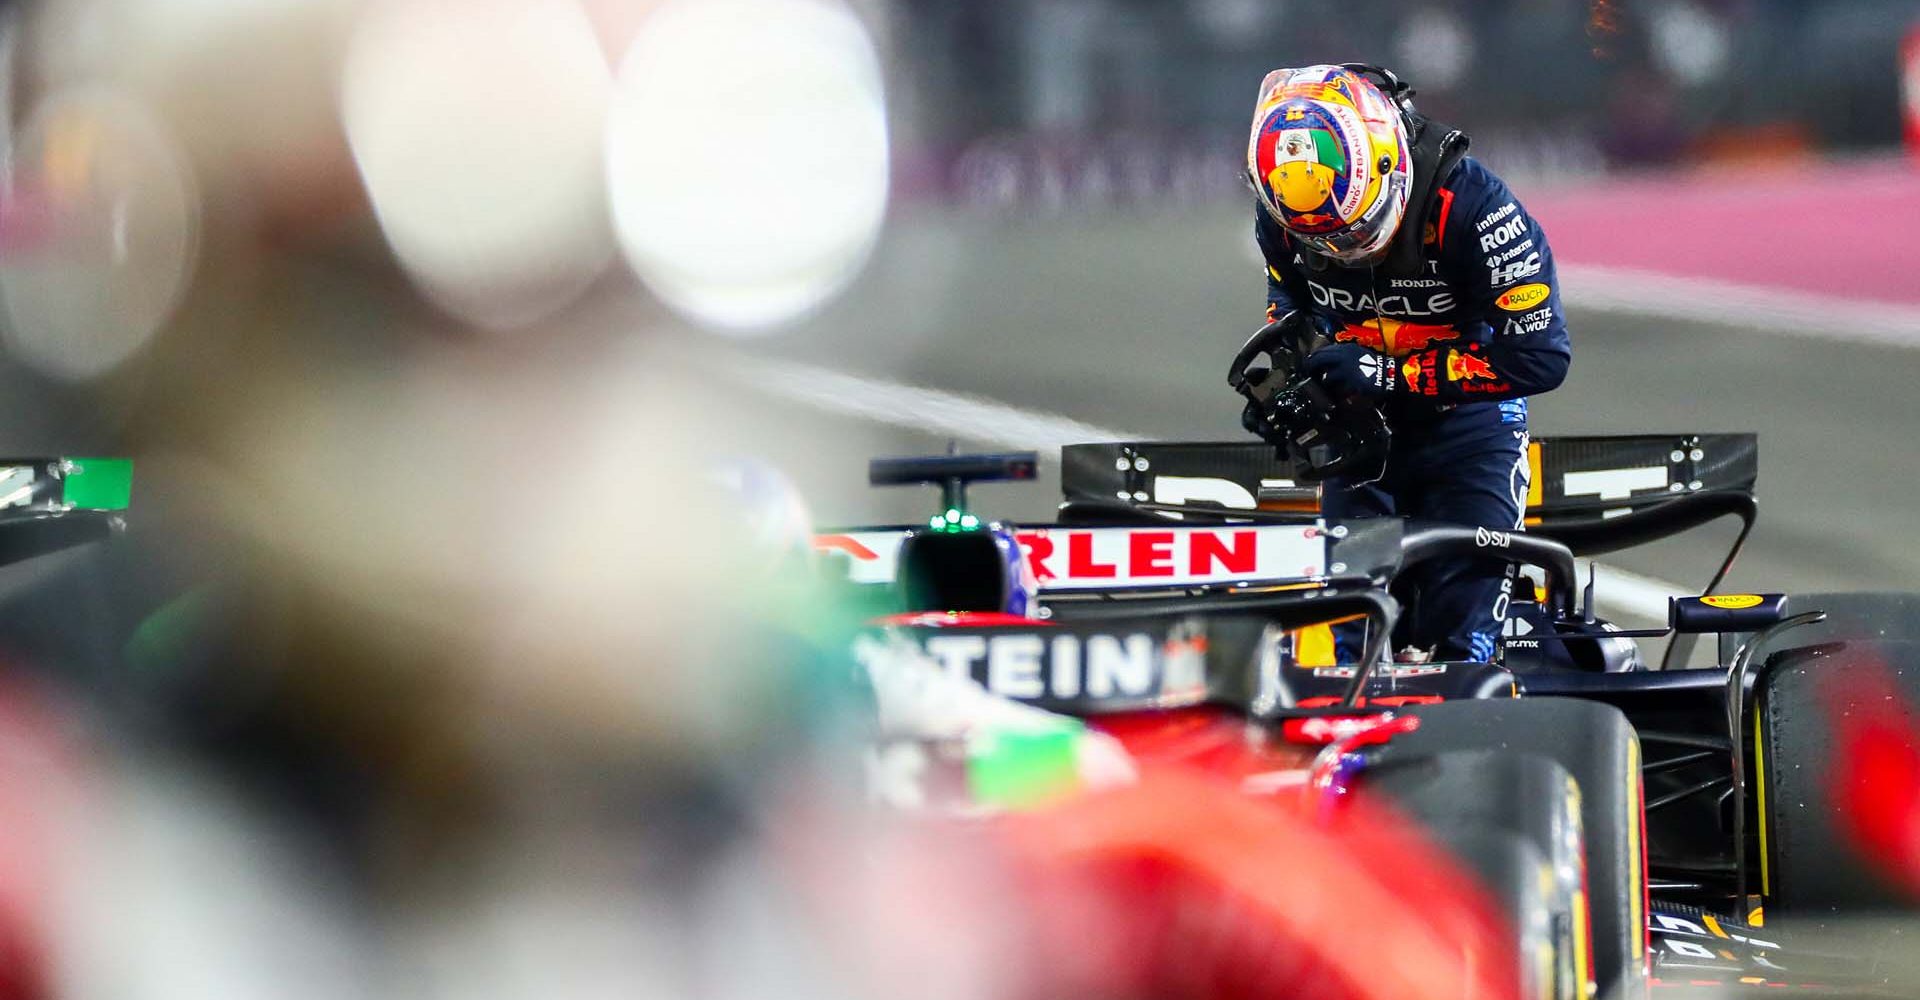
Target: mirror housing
{"x":1725,"y":613}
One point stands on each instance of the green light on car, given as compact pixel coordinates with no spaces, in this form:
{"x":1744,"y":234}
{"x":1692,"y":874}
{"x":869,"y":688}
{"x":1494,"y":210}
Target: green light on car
{"x":98,"y":483}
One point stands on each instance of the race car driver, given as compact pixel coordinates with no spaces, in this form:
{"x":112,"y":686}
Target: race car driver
{"x":1420,"y":285}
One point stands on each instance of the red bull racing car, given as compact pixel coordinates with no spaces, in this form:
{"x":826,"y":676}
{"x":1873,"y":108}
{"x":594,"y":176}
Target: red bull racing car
{"x":1645,"y":829}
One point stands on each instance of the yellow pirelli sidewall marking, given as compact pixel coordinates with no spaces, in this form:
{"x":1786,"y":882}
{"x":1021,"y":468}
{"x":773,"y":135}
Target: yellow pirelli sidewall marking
{"x":1714,"y":925}
{"x":1635,"y":891}
{"x":1581,"y":974}
{"x":1582,"y":941}
{"x":1544,"y":952}
{"x":1536,"y":486}
{"x":1760,"y":799}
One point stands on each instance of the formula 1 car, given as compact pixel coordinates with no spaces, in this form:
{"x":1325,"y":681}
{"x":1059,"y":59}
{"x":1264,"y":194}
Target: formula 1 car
{"x":1645,"y":827}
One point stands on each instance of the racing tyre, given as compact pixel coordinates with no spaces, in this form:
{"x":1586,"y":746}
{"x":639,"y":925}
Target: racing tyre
{"x":1877,"y":616}
{"x":1598,"y":747}
{"x":1515,"y":820}
{"x":1814,"y":860}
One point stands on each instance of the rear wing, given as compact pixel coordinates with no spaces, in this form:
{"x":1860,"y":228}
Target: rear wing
{"x":1574,"y":479}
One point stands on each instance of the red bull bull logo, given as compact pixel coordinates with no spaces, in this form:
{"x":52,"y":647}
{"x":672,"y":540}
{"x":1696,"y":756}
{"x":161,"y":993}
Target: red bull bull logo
{"x":1465,"y":367}
{"x":1395,"y":337}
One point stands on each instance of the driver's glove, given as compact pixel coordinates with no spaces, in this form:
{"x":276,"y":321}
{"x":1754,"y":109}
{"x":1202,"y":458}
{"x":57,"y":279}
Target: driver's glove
{"x":1350,"y":371}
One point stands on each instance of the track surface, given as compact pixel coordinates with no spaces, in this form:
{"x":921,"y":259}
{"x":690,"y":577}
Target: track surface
{"x":1128,"y":323}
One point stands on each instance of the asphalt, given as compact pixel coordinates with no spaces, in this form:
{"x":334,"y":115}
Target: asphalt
{"x":1127,"y":322}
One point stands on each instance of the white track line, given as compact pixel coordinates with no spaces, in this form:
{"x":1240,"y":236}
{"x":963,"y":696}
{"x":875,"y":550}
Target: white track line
{"x":1621,"y":594}
{"x":935,"y":411}
{"x":1765,"y":310}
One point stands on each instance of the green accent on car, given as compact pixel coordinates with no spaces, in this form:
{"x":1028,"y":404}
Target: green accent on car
{"x":164,"y":641}
{"x":98,"y":483}
{"x":1017,"y":770}
{"x":954,"y":522}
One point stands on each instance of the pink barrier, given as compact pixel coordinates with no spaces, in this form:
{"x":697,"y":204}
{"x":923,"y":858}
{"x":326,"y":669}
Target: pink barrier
{"x":1844,"y":230}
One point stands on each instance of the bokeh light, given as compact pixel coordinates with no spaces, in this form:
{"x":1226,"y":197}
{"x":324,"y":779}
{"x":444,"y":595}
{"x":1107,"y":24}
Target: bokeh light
{"x":748,"y":157}
{"x":1690,"y":43}
{"x":477,"y":127}
{"x":115,"y":216}
{"x":1435,"y":47}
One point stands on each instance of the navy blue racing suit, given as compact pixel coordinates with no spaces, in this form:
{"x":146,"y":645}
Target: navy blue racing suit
{"x":1476,"y":323}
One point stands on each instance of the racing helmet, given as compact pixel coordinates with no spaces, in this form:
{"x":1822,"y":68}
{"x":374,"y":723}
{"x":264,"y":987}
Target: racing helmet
{"x":1330,"y":160}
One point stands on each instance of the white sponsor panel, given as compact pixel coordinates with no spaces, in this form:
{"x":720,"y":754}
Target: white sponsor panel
{"x":1615,"y":484}
{"x":1095,"y":558}
{"x":1067,"y":666}
{"x":1104,"y":558}
{"x":1186,"y":489}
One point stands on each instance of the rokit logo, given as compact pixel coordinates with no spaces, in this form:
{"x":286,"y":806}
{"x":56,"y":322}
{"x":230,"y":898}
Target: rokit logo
{"x":1502,"y":235}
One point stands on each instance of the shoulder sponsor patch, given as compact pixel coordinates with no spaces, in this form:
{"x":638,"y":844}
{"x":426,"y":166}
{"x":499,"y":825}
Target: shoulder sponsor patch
{"x":1523,"y":298}
{"x":1533,"y":322}
{"x":1487,"y":221}
{"x":1507,"y":274}
{"x":1510,"y":252}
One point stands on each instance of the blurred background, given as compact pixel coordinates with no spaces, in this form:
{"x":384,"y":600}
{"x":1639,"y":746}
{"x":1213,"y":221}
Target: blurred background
{"x":426,"y":322}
